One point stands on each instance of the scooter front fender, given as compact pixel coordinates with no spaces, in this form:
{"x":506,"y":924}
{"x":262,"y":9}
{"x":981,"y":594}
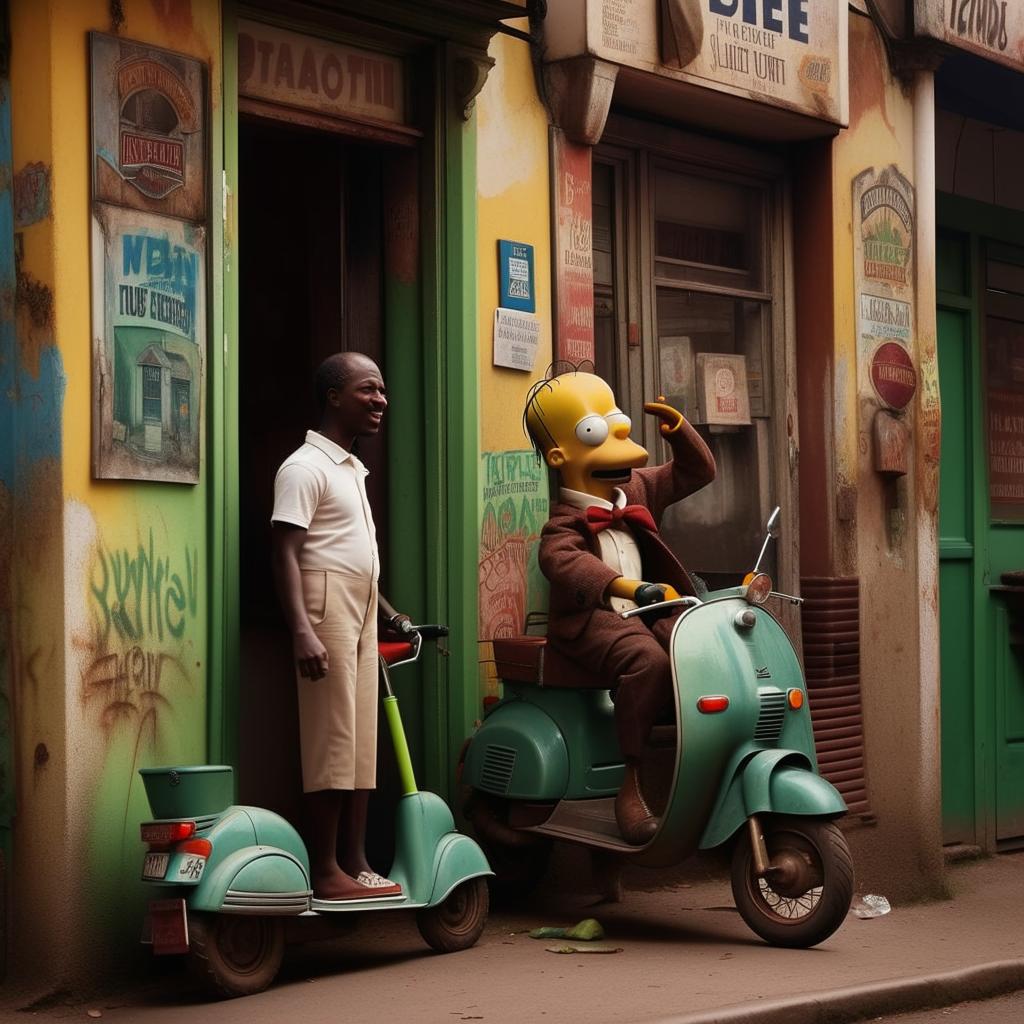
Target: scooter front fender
{"x":457,"y":860}
{"x":770,"y":782}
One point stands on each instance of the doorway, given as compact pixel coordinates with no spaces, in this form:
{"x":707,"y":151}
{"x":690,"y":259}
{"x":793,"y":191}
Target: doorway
{"x":311,"y":282}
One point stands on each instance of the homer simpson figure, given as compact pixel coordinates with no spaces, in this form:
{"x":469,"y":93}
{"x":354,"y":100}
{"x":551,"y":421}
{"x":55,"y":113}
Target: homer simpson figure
{"x":600,"y":549}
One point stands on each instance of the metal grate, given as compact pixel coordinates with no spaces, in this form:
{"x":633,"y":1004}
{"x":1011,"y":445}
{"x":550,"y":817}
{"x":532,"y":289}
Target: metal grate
{"x":499,"y":763}
{"x":772,"y":716}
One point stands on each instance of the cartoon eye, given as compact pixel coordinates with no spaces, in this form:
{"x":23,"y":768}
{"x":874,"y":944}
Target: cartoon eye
{"x":617,"y":419}
{"x":592,"y":430}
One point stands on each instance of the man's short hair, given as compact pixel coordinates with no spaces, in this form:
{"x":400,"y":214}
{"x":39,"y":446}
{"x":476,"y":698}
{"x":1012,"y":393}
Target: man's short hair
{"x":334,"y":373}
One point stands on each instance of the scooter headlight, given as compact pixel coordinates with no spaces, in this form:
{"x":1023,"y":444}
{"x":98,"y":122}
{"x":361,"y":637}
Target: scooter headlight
{"x":759,"y":589}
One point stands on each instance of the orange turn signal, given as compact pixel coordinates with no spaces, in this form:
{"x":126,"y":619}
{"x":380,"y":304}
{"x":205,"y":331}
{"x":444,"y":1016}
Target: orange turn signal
{"x":795,"y":698}
{"x":199,"y":847}
{"x":712,"y":705}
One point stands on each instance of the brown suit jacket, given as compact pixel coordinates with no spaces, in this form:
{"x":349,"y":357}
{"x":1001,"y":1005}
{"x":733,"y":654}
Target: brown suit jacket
{"x":569,"y":553}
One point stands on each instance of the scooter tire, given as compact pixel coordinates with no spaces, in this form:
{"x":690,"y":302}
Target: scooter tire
{"x":235,"y":954}
{"x":457,"y":922}
{"x":790,"y":918}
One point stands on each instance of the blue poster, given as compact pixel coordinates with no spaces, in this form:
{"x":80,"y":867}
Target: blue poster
{"x":515,"y":265}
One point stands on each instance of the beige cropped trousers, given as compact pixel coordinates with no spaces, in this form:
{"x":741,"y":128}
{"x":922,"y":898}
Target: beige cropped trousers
{"x":338,"y":713}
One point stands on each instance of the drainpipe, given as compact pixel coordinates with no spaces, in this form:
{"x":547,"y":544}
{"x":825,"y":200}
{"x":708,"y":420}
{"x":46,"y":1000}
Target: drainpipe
{"x":927,"y":432}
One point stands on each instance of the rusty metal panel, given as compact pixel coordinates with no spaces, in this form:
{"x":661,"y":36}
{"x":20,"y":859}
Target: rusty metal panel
{"x":830,"y":617}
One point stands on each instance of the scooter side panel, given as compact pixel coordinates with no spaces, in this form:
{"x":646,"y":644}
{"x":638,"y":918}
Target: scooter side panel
{"x":423,"y":821}
{"x":273,"y":830}
{"x":256,"y":879}
{"x":518,"y":753}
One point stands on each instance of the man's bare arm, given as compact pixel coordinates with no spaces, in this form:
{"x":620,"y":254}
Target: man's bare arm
{"x":310,"y":653}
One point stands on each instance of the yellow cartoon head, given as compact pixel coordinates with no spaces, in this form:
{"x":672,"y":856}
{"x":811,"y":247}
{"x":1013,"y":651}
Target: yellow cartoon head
{"x":577,"y":426}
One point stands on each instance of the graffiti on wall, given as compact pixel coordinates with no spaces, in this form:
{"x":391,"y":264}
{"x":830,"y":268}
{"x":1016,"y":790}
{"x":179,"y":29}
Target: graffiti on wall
{"x":514,"y":509}
{"x":143,"y":599}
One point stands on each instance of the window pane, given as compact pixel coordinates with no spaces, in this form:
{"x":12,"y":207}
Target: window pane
{"x":151,"y":392}
{"x":708,"y":231}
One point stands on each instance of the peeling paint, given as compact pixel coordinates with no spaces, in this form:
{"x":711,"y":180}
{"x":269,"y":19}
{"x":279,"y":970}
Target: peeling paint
{"x":31,"y":194}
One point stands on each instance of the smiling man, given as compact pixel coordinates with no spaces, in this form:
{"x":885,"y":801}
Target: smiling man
{"x":601,"y":552}
{"x":326,"y":569}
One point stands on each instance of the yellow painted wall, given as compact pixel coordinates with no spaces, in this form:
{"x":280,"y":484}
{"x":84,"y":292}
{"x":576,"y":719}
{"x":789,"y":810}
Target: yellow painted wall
{"x":513,"y":203}
{"x":119,"y":568}
{"x":905,"y":851}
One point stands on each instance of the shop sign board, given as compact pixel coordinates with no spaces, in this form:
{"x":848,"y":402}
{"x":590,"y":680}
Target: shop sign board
{"x":990,"y":28}
{"x":515,"y":272}
{"x":573,"y":256}
{"x":149,"y":331}
{"x":884,"y":269}
{"x":786,"y":53}
{"x":516,"y":336}
{"x":148,"y":113}
{"x":319,"y":75}
{"x":1004,"y":370}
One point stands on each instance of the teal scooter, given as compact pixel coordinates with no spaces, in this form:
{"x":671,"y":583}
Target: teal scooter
{"x":736,"y":766}
{"x":232,"y":876}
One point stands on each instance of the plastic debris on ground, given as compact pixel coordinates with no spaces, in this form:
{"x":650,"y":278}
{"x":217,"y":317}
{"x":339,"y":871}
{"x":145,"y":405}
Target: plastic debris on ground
{"x":869,"y":906}
{"x":583,"y":949}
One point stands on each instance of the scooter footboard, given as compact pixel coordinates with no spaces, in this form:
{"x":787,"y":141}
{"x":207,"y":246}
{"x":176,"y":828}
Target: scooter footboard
{"x":771,"y":782}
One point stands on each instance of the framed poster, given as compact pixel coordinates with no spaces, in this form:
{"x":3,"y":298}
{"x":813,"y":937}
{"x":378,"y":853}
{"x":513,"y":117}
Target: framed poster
{"x":149,"y":340}
{"x":148,"y":113}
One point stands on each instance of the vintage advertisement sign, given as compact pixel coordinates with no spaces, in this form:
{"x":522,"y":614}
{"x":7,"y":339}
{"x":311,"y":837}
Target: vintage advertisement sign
{"x":573,"y":251}
{"x":722,"y":395}
{"x":787,"y":53}
{"x":319,"y":74}
{"x":516,"y":336}
{"x":989,"y":28}
{"x":149,"y":331}
{"x":148,"y":128}
{"x":883,"y":238}
{"x":1004,"y":366}
{"x":513,"y":510}
{"x":515,"y":275}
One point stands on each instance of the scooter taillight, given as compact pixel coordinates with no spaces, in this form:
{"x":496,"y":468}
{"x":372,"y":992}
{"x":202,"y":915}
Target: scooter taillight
{"x":199,"y":847}
{"x":712,"y":705}
{"x":163,"y":833}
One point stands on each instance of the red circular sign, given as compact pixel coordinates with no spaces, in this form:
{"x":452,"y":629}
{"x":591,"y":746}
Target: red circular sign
{"x":893,"y":374}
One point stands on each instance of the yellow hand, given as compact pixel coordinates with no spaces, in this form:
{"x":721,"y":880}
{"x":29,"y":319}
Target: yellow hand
{"x":671,"y":419}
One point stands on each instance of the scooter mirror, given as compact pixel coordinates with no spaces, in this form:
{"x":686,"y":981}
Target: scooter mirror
{"x":774,"y":525}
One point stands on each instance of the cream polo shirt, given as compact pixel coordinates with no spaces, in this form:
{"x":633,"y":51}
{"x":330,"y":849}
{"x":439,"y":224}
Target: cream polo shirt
{"x":618,"y":546}
{"x":321,"y":487}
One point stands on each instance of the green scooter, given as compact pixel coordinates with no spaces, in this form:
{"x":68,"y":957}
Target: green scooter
{"x":736,"y":766}
{"x":233,"y":875}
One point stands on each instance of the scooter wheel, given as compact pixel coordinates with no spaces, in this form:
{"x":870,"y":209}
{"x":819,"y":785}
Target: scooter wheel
{"x":458,"y":921}
{"x":235,"y":954}
{"x":806,"y":898}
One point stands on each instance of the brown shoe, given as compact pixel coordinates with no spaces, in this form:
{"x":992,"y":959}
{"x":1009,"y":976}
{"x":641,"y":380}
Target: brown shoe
{"x":636,"y":822}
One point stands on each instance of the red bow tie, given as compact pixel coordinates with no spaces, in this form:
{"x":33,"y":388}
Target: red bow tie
{"x":599,"y":519}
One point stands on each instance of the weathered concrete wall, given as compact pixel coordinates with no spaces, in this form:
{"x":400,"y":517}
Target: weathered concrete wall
{"x":109,"y":579}
{"x":882,"y":544}
{"x":512,"y":203}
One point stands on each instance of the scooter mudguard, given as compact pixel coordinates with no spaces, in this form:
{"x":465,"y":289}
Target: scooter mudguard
{"x":257,"y":879}
{"x":770,"y":782}
{"x":518,"y":752}
{"x":458,"y":859}
{"x":429,"y":853}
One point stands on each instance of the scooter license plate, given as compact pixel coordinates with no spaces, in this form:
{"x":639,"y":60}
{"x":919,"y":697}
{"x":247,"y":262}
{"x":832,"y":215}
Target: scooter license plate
{"x":155,"y":865}
{"x":189,"y":868}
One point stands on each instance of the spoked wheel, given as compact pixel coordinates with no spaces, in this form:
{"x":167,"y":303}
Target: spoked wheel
{"x":806,"y":895}
{"x":459,"y":920}
{"x":234,"y":953}
{"x":519,"y":860}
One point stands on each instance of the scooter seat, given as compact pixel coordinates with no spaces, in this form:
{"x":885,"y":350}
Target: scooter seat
{"x":531,"y":659}
{"x":394,"y":650}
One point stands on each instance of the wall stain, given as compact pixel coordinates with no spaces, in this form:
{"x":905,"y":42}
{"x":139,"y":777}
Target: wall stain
{"x":869,"y":74}
{"x":175,"y":14}
{"x":31,"y":194}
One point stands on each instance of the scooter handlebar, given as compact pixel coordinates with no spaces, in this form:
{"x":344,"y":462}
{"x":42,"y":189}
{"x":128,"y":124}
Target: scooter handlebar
{"x":677,"y":602}
{"x":429,"y":632}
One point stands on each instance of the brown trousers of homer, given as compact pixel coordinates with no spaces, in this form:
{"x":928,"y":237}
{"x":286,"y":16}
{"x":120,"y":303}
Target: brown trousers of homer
{"x":634,"y":659}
